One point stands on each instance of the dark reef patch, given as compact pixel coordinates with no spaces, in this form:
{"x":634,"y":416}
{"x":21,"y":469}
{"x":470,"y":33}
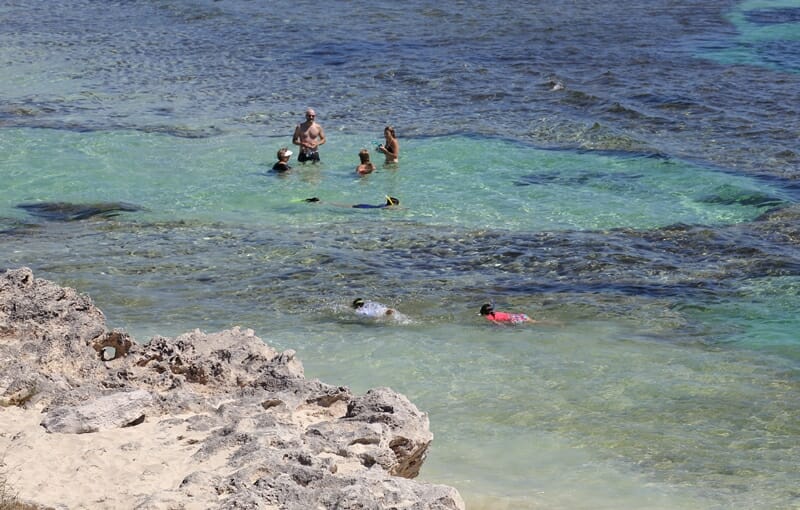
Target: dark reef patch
{"x":773,"y":16}
{"x":66,"y":211}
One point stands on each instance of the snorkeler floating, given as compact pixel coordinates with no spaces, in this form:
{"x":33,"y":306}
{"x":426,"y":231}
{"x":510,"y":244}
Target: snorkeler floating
{"x":378,"y":312}
{"x":371,"y":308}
{"x":488,"y":312}
{"x":390,"y":202}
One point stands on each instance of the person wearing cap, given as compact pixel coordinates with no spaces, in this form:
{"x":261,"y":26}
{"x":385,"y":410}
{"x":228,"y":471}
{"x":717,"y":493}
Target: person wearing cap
{"x":283,"y":160}
{"x":309,"y":136}
{"x":487,"y":311}
{"x":366,"y":166}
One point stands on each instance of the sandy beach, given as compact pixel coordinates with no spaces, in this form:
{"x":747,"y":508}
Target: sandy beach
{"x":105,"y":469}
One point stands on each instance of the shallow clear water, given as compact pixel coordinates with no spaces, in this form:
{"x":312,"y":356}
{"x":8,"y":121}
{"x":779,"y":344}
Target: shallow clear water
{"x":469,"y":182}
{"x":645,"y":213}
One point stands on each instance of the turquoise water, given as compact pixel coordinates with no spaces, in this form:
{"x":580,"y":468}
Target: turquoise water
{"x":615,"y":401}
{"x":768,"y":34}
{"x":644,"y":211}
{"x":468,"y":182}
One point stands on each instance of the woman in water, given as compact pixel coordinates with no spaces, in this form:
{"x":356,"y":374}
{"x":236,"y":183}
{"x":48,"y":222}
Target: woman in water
{"x":366,"y":166}
{"x":390,"y":148}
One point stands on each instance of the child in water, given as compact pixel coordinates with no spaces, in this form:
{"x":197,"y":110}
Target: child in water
{"x":283,"y":160}
{"x":366,"y":166}
{"x":488,"y":312}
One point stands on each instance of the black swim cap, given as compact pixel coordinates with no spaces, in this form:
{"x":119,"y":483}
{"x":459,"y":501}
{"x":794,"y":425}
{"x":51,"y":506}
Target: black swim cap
{"x":487,"y":309}
{"x":358,"y":303}
{"x":392,"y":201}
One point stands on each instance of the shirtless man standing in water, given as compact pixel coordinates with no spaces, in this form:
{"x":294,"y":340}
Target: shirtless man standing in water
{"x":309,"y":136}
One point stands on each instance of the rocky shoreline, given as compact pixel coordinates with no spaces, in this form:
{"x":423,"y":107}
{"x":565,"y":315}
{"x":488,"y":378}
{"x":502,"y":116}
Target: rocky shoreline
{"x":91,"y":418}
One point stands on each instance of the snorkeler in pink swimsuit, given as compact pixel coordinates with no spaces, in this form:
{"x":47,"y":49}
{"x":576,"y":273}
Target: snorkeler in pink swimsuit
{"x":488,"y":312}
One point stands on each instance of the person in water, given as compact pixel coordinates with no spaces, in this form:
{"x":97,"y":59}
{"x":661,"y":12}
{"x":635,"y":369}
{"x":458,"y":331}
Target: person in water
{"x":488,"y":312}
{"x":372,"y":309}
{"x":390,"y":202}
{"x":283,"y":160}
{"x":309,"y":136}
{"x":366,"y":166}
{"x":391,"y":147}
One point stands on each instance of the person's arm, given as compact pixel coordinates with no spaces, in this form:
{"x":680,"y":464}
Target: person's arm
{"x":321,"y":136}
{"x":386,"y":151}
{"x":297,"y":136}
{"x":316,"y":200}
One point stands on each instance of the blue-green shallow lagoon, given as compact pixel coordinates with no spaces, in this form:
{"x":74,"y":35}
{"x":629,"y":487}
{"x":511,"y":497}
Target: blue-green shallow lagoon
{"x":462,"y":181}
{"x":624,"y":171}
{"x":638,"y":389}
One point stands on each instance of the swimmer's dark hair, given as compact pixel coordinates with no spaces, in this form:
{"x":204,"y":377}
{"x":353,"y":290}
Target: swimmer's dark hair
{"x":487,"y":309}
{"x":358,"y":303}
{"x":392,"y":201}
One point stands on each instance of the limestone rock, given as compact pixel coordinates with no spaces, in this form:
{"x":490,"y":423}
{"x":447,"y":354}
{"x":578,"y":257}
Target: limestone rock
{"x":253,"y":431}
{"x":117,"y":410}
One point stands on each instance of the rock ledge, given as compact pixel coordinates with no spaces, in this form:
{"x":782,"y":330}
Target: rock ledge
{"x":250,"y":430}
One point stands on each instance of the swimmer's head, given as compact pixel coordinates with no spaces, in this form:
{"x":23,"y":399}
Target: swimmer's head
{"x":392,"y":200}
{"x":284,"y":153}
{"x":487,"y":309}
{"x":358,"y":303}
{"x":363,"y":155}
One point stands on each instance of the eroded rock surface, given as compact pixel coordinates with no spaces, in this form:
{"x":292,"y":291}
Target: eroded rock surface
{"x":256,"y":432}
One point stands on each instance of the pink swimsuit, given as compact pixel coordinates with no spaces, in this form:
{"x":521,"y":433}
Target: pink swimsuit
{"x":514,"y":318}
